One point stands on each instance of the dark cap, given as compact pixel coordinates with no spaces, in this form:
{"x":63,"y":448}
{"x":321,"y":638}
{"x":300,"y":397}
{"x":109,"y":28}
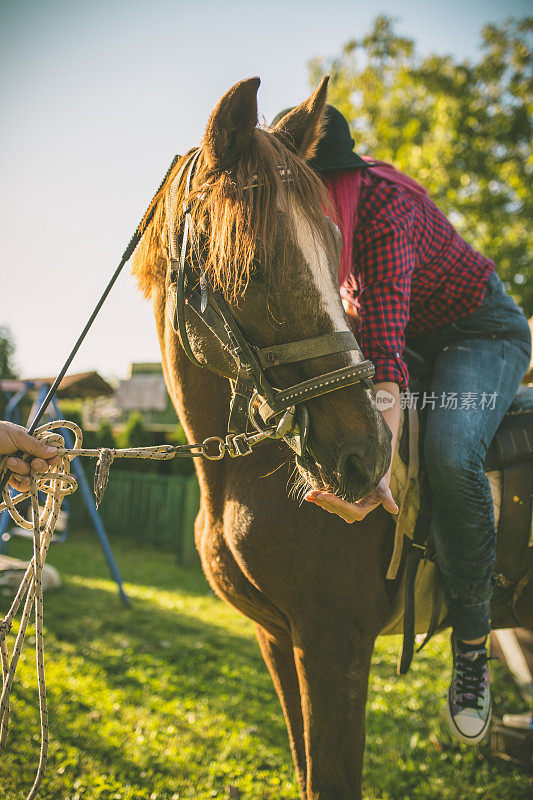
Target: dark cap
{"x":334,"y":151}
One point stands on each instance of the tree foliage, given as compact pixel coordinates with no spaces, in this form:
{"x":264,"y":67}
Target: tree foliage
{"x":7,"y":350}
{"x":7,"y":368}
{"x":461,"y":128}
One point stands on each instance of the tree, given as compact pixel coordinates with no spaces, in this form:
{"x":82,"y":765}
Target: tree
{"x":7,"y":370}
{"x":462,"y":129}
{"x":7,"y":349}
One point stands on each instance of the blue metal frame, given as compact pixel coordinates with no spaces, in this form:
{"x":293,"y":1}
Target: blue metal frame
{"x":12,"y":414}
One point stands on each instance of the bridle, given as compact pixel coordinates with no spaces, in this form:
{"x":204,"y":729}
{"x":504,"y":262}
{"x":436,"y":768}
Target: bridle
{"x":283,"y":411}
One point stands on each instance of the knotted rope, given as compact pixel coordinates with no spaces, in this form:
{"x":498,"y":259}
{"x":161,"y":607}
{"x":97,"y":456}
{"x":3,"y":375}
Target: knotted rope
{"x":56,"y":486}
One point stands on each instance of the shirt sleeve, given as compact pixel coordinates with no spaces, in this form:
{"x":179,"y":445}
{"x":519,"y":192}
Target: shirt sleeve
{"x":384,"y":259}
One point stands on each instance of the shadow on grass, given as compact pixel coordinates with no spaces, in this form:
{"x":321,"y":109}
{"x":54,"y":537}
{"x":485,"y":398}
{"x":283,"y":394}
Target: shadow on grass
{"x":143,"y":564}
{"x":179,"y":666}
{"x":162,"y":663}
{"x":198,"y":659}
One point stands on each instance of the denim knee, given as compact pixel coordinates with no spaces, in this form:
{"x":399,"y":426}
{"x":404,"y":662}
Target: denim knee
{"x":449,"y":465}
{"x":463,"y":512}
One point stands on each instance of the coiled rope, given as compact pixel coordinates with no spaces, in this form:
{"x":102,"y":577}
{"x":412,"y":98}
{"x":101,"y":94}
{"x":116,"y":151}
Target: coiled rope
{"x":56,"y":486}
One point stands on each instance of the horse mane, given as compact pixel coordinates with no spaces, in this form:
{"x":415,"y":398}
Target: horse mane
{"x":236,"y":215}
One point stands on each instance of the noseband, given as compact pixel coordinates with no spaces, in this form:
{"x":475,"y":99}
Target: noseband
{"x":282,"y":410}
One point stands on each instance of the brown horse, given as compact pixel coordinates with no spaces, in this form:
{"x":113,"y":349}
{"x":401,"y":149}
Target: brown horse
{"x":313,"y":585}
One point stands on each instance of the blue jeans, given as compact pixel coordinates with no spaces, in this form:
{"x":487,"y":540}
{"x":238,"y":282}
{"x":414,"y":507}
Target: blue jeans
{"x":482,"y":359}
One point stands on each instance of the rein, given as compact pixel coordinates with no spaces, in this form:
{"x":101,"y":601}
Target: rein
{"x":283,"y":415}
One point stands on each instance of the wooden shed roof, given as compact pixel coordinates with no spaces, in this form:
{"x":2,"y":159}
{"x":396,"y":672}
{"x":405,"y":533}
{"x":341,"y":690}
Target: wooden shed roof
{"x":80,"y":385}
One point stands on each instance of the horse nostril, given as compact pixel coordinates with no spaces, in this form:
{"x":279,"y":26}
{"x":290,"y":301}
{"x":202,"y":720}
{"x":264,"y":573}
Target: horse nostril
{"x":350,"y":465}
{"x":357,"y":469}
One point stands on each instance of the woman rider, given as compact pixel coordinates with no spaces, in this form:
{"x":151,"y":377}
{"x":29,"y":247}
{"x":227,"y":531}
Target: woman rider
{"x":416,"y":280}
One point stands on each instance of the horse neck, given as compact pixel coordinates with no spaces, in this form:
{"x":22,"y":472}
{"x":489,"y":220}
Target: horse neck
{"x":201,"y":399}
{"x":202,"y":402}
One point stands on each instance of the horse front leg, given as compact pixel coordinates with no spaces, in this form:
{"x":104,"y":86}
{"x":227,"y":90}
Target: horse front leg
{"x":277,"y":652}
{"x":333,"y":665}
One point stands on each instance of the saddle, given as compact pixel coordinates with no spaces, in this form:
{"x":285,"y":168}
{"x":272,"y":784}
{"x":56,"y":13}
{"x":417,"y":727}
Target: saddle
{"x":418,"y":604}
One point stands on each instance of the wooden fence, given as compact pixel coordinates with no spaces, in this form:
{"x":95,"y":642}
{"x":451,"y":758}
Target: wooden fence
{"x":147,"y":507}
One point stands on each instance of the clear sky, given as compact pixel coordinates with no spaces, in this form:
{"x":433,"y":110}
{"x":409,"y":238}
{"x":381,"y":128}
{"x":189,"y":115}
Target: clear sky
{"x":96,"y":96}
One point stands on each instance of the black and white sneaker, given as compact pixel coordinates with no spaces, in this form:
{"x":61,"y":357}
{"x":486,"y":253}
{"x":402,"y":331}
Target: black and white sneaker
{"x":469,"y":704}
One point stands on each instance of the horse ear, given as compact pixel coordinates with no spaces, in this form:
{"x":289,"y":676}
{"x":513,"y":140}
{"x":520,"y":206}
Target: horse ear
{"x":231,"y":124}
{"x":303,"y":125}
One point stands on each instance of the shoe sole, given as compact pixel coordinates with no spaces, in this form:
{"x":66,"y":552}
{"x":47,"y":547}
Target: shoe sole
{"x":461,"y":736}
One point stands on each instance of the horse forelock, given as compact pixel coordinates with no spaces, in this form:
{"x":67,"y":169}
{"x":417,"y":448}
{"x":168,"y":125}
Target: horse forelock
{"x":236,"y":215}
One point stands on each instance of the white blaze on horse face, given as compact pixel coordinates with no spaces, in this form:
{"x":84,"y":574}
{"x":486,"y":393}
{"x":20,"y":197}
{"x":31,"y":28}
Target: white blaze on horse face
{"x":316,"y":257}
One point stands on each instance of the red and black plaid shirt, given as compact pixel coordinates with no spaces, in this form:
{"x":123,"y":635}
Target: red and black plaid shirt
{"x":413,"y":271}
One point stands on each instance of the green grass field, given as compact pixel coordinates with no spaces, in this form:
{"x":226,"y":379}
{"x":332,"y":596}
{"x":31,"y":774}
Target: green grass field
{"x":170,"y":699}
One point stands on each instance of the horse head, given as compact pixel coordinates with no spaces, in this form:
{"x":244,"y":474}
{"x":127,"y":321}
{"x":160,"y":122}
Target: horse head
{"x":262,"y":236}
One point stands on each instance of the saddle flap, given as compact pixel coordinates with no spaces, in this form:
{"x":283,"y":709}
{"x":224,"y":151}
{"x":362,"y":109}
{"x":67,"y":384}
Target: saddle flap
{"x":513,"y":442}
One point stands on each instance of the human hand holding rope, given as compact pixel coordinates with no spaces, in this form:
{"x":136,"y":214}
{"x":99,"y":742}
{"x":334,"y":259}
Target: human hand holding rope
{"x":18,"y":445}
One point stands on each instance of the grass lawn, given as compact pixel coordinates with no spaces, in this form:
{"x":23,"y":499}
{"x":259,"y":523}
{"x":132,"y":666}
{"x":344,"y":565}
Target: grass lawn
{"x":170,"y":699}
